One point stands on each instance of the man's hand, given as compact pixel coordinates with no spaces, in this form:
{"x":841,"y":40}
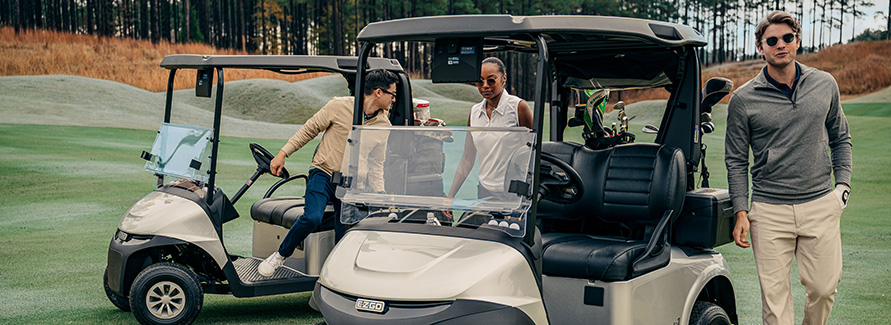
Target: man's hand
{"x":275,"y":166}
{"x":741,"y":231}
{"x":843,"y":192}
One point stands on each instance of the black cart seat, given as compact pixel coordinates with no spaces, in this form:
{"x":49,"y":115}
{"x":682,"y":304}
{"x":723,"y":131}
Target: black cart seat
{"x":634,"y":187}
{"x":285,"y":210}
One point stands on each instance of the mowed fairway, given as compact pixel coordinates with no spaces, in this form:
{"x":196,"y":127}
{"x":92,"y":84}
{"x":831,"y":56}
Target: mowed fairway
{"x":64,"y":189}
{"x":864,"y":294}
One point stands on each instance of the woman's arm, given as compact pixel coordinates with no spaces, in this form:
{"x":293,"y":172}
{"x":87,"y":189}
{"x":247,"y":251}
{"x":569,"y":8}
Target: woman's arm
{"x":524,"y":114}
{"x":465,"y":165}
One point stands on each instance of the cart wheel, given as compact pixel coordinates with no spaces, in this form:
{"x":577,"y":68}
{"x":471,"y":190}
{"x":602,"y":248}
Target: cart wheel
{"x":166,"y":293}
{"x":117,"y":300}
{"x":708,"y":313}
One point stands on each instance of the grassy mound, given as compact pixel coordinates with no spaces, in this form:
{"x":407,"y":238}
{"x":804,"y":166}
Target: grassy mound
{"x":266,"y":104}
{"x":272,"y":100}
{"x":79,"y":101}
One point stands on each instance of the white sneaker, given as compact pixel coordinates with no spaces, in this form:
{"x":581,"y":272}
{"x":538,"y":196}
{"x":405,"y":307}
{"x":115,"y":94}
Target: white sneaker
{"x":270,"y":264}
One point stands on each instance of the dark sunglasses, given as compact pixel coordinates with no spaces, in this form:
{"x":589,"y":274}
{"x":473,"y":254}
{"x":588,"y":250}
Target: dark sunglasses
{"x":490,"y":81}
{"x":389,"y":92}
{"x":772,"y":41}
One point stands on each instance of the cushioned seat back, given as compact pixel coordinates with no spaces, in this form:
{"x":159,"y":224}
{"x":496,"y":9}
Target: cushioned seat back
{"x":635,"y":185}
{"x":642,"y":181}
{"x":284,"y":211}
{"x":591,"y":166}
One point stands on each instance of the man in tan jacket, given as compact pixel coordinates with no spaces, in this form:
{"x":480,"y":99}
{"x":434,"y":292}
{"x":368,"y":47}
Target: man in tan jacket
{"x":335,"y":120}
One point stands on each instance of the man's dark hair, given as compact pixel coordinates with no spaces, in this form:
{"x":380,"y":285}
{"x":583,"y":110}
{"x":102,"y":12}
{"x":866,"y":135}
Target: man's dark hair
{"x":495,"y":61}
{"x":379,"y":79}
{"x":776,"y":17}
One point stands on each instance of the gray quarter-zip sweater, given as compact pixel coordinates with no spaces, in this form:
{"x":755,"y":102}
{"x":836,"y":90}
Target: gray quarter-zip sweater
{"x":789,"y":139}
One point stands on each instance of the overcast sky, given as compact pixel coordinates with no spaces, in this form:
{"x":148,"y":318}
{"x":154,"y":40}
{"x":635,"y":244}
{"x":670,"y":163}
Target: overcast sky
{"x":867,"y":21}
{"x":862,"y":23}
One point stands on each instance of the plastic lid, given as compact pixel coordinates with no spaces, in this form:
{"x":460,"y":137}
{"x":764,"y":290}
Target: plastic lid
{"x":420,"y":102}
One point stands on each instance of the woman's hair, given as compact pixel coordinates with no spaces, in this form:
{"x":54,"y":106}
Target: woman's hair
{"x":378,"y":78}
{"x":495,"y":61}
{"x":776,"y":17}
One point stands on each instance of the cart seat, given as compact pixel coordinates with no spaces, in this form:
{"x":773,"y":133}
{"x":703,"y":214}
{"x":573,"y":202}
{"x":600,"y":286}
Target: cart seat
{"x":589,"y":257}
{"x":284,"y":211}
{"x":641,"y":188}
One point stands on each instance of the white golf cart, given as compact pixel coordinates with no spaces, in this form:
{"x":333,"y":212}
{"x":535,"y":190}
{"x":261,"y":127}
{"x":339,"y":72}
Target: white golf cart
{"x":609,"y":231}
{"x":168,"y":249}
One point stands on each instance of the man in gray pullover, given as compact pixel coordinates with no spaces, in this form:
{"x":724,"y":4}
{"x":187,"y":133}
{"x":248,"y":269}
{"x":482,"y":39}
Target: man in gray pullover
{"x":789,"y":115}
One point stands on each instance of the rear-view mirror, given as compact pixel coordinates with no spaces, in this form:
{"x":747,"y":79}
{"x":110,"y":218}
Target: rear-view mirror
{"x":457,"y":60}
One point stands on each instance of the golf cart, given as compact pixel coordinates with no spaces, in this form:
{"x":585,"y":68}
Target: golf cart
{"x":168,"y":248}
{"x":581,"y":230}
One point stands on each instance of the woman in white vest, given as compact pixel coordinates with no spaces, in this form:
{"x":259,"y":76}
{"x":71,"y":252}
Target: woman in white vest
{"x":498,"y":109}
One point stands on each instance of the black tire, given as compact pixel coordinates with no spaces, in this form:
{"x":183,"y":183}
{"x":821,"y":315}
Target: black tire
{"x":166,"y":293}
{"x":117,"y":300}
{"x":708,"y":313}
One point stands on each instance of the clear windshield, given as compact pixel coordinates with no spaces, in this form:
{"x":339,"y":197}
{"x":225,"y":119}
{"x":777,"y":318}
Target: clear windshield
{"x":458,"y":176}
{"x":179,"y":151}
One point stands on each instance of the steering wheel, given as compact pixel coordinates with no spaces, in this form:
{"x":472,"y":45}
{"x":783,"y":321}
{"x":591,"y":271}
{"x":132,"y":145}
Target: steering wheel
{"x":562,"y":188}
{"x":263,"y":158}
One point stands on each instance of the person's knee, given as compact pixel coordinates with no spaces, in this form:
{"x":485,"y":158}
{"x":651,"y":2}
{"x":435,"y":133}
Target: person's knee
{"x":821,"y":290}
{"x":310,"y":221}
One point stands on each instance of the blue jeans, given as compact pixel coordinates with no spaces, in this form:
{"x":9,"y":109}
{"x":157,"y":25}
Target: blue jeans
{"x":319,"y":191}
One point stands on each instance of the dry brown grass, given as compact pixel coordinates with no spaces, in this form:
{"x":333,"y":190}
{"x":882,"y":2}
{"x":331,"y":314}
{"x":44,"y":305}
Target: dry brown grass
{"x":129,"y":61}
{"x":859,"y":67}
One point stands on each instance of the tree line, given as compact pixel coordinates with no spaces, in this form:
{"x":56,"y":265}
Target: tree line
{"x":329,"y":27}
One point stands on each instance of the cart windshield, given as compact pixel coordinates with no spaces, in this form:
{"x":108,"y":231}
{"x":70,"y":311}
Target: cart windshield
{"x":446,"y":176}
{"x":179,"y":151}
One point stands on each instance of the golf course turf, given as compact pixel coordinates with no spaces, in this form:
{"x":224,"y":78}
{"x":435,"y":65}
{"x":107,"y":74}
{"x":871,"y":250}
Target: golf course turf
{"x":64,"y":189}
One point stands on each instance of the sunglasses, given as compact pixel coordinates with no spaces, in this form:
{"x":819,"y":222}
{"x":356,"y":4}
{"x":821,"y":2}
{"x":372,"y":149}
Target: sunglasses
{"x":389,"y":92}
{"x":772,"y":41}
{"x":491,"y":81}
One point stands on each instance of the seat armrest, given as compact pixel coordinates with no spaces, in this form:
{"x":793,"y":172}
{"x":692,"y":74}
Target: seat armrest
{"x":282,"y":182}
{"x":659,"y":239}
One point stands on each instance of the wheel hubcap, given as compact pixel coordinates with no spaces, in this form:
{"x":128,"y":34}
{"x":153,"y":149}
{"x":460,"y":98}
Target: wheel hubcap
{"x":165,"y":300}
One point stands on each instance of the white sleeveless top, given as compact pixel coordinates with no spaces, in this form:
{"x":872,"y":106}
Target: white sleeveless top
{"x":492,"y":161}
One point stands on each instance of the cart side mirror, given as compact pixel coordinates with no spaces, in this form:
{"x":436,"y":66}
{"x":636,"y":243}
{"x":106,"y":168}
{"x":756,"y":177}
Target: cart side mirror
{"x":457,"y":60}
{"x":714,"y":90}
{"x":204,"y":82}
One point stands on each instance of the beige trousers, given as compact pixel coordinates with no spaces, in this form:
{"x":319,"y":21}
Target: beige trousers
{"x":810,"y":232}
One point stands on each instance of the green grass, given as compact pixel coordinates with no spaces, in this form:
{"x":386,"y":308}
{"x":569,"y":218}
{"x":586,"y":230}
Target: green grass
{"x":864,"y":292}
{"x":868,"y":109}
{"x":65,"y":188}
{"x":64,"y":191}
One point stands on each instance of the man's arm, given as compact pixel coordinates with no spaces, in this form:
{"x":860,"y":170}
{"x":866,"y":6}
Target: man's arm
{"x":736,"y":154}
{"x":319,"y":122}
{"x":736,"y":158}
{"x":315,"y":125}
{"x":839,"y":141}
{"x":376,"y":166}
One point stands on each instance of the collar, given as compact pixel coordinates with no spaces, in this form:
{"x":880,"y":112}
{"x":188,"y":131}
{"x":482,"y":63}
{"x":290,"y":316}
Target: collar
{"x":502,"y":102}
{"x":368,"y":117}
{"x":372,"y":119}
{"x":781,"y":85}
{"x":802,"y":72}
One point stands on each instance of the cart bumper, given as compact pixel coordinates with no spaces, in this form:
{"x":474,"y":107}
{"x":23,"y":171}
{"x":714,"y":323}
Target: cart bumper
{"x":341,"y":309}
{"x":125,"y":260}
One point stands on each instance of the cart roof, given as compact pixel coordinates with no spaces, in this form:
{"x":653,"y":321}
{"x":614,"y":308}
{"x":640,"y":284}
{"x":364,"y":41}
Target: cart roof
{"x":563,"y":33}
{"x":293,"y":63}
